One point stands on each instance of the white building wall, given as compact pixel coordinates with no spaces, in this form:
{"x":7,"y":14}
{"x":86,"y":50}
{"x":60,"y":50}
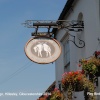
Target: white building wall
{"x":91,"y":17}
{"x":60,"y":61}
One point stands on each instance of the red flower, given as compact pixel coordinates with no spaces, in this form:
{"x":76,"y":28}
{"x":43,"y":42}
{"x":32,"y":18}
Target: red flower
{"x":98,"y":52}
{"x":70,"y":73}
{"x":55,"y":89}
{"x":76,"y":72}
{"x":45,"y":96}
{"x":83,"y":72}
{"x":63,"y":81}
{"x":79,"y":78}
{"x":79,"y":65}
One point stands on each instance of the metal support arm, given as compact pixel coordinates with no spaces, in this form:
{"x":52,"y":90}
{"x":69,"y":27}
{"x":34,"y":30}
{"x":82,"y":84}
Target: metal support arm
{"x":81,"y":42}
{"x":75,"y":26}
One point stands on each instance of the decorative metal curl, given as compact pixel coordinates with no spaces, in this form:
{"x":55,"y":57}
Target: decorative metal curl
{"x":81,"y":42}
{"x":73,"y":25}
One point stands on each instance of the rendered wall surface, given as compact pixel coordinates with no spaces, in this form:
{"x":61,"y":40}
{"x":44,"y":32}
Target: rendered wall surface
{"x":91,"y":17}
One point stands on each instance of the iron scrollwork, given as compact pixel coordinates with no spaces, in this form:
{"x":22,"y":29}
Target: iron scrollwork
{"x":75,"y":26}
{"x":81,"y":42}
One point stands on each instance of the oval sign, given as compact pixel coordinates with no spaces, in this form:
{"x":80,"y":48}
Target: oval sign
{"x":42,"y":50}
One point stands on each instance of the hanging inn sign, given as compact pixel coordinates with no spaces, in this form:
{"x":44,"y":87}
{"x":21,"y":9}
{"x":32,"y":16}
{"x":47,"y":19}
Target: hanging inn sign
{"x":43,"y":48}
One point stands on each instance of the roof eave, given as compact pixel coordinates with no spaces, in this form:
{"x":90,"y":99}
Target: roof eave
{"x":65,"y":10}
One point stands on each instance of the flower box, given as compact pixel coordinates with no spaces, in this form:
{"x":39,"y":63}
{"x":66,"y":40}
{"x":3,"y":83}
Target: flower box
{"x":73,"y":81}
{"x":91,"y":66}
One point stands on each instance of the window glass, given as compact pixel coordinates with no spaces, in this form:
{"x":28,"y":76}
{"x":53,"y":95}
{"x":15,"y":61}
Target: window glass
{"x":66,"y":53}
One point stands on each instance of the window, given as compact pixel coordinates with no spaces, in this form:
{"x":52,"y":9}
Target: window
{"x":66,"y":56}
{"x":67,"y":67}
{"x":66,"y":53}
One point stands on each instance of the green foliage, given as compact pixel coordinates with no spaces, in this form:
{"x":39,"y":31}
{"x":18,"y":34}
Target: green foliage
{"x":56,"y":95}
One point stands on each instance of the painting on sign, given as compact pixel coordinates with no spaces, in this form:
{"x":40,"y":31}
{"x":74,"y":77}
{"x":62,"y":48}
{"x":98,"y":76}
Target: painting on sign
{"x":42,"y":50}
{"x":40,"y":47}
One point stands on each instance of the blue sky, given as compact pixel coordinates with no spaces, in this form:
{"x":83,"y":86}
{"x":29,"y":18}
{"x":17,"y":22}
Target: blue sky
{"x":17,"y":72}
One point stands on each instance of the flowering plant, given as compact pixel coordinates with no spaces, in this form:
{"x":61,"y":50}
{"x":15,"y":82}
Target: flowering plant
{"x":56,"y":95}
{"x":91,"y":65}
{"x":89,"y":88}
{"x":76,"y":81}
{"x":72,"y":80}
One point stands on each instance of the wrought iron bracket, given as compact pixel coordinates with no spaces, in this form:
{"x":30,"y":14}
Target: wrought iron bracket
{"x":81,"y":42}
{"x":54,"y":24}
{"x":74,"y":25}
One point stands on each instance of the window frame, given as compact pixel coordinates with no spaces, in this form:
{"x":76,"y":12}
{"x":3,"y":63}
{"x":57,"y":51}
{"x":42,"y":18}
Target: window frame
{"x":64,"y":42}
